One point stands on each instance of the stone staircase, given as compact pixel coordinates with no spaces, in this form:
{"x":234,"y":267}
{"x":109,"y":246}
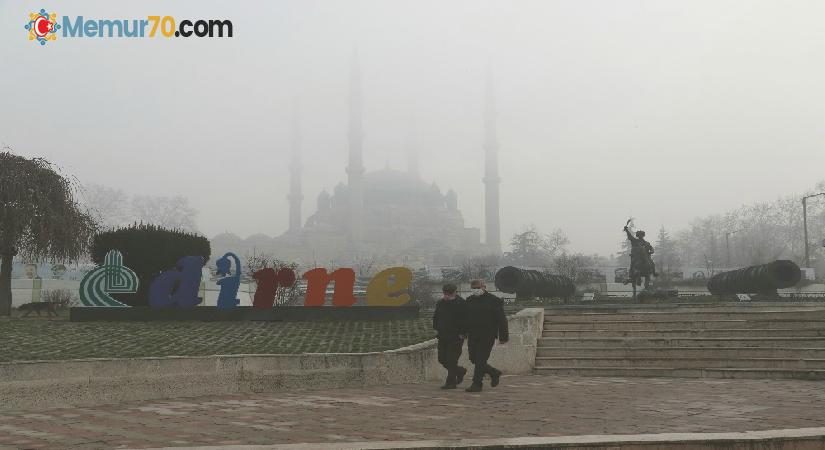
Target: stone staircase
{"x":767,"y":340}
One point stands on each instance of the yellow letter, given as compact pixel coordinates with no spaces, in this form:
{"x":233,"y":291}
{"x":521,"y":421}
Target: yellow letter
{"x":156,"y":20}
{"x":386,"y":287}
{"x":167,"y":20}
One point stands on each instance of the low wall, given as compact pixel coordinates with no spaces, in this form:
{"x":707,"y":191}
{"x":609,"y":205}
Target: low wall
{"x":42,"y":384}
{"x":518,"y":356}
{"x":243,"y":313}
{"x":27,"y":290}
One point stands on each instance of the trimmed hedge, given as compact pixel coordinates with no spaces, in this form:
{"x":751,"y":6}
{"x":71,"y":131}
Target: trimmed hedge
{"x":148,"y":250}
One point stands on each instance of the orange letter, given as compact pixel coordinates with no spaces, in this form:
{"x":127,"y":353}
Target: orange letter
{"x":388,"y":286}
{"x":318,"y":280}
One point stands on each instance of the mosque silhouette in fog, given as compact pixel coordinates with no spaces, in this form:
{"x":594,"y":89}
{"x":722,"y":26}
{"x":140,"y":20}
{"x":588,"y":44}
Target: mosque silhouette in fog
{"x":389,"y":215}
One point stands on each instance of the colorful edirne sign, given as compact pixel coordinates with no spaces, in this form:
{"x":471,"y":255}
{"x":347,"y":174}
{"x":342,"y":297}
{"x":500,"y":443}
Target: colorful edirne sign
{"x":42,"y":26}
{"x":177,"y":287}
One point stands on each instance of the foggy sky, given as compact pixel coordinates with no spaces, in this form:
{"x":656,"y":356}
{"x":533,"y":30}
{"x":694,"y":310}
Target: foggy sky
{"x":660,"y":110}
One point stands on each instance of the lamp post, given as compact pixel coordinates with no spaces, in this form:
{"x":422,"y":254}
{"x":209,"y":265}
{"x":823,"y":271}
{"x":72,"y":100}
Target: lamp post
{"x":727,"y":245}
{"x":805,"y":224}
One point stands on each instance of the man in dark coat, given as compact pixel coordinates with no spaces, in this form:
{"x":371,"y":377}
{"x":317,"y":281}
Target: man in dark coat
{"x":450,"y":322}
{"x":485,"y":322}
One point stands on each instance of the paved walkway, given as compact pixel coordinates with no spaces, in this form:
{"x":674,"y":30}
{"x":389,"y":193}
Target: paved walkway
{"x":522,"y":406}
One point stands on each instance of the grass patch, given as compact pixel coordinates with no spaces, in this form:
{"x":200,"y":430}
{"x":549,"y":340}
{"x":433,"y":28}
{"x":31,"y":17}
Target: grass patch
{"x":41,"y":338}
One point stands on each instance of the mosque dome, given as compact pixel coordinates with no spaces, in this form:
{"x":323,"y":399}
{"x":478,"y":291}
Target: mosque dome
{"x":394,"y":187}
{"x":227,"y":239}
{"x":259,"y":238}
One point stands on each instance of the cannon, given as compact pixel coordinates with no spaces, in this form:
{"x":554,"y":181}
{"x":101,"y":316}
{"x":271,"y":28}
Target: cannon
{"x":764,"y":279}
{"x":526,"y":283}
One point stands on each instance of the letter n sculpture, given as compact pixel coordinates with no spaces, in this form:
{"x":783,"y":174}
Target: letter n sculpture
{"x":111,"y":277}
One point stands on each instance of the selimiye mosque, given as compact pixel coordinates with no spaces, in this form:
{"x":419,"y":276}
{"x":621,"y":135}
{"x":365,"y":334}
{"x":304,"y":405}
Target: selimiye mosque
{"x":391,"y":215}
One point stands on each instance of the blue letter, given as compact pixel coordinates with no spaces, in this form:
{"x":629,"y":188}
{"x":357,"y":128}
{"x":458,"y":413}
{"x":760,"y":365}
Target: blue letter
{"x":69,"y":31}
{"x":135,"y":28}
{"x":178,"y":287}
{"x":90,"y":28}
{"x":111,"y":24}
{"x":229,"y":283}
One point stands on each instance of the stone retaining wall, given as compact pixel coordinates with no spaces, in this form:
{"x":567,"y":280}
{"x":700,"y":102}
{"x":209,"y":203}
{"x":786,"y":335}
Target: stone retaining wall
{"x":41,"y":384}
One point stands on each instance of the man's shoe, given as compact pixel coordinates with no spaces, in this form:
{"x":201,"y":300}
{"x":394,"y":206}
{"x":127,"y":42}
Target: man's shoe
{"x":495,"y":377}
{"x":449,"y":386}
{"x":461,"y":372}
{"x":474,"y":388}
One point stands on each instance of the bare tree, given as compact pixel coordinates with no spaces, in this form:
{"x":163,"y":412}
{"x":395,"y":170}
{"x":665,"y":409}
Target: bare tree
{"x":168,"y":212}
{"x":479,"y":267}
{"x":39,"y":217}
{"x":113,"y":208}
{"x":364,"y":265}
{"x":754,"y":234}
{"x":575,"y":266}
{"x":710,"y":268}
{"x":532,"y":248}
{"x":110,"y":207}
{"x":666,"y":256}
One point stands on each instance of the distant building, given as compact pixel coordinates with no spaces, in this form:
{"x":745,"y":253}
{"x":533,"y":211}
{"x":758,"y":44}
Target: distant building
{"x":389,"y":216}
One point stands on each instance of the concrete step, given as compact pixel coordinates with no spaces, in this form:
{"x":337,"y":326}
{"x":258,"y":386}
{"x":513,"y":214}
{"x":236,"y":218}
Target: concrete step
{"x":712,"y":341}
{"x":709,"y":307}
{"x":687,"y":332}
{"x":682,"y":324}
{"x":684,"y":373}
{"x":708,"y":342}
{"x":683,"y":363}
{"x":773,"y":314}
{"x":682,"y":352}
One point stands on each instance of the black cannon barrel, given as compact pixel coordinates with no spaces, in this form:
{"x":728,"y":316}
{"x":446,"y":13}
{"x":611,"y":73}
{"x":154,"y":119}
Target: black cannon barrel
{"x":532,"y":283}
{"x":766,"y":278}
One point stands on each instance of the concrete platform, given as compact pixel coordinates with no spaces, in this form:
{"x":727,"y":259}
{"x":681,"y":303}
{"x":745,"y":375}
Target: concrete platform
{"x":794,"y":439}
{"x":530,"y":411}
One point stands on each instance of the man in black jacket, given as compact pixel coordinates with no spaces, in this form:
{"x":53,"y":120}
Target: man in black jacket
{"x":485,"y":322}
{"x":450,"y":322}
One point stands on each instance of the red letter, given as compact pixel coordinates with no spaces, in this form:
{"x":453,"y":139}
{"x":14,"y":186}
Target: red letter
{"x":317,"y":281}
{"x":268,"y":282}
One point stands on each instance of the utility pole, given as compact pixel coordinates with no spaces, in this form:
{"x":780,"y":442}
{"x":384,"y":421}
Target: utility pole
{"x":805,"y":224}
{"x":727,"y":245}
{"x":805,"y":227}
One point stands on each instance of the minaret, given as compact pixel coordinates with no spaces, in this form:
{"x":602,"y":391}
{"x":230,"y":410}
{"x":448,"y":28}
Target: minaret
{"x":412,"y":158}
{"x":295,"y":195}
{"x":492,"y":222}
{"x":412,"y":153}
{"x":355,"y":167}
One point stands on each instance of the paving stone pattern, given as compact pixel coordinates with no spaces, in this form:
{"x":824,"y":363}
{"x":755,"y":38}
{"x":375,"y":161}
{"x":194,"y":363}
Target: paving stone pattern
{"x":521,"y":406}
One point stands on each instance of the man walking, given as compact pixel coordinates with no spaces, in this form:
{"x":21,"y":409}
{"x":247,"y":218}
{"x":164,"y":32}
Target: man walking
{"x":450,"y":322}
{"x":485,"y":322}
